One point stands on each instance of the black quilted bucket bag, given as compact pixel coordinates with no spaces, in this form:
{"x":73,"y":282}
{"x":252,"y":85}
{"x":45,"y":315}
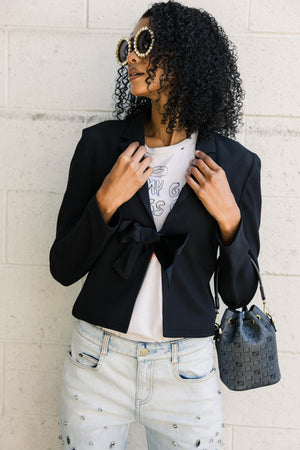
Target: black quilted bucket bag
{"x":246,"y":345}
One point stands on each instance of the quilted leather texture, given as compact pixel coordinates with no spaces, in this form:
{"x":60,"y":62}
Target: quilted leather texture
{"x":247,"y":350}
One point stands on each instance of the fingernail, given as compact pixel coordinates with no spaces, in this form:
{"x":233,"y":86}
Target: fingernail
{"x":197,"y":152}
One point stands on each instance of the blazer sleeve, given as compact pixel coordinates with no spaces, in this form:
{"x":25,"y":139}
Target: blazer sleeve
{"x":237,"y":278}
{"x":81,"y":231}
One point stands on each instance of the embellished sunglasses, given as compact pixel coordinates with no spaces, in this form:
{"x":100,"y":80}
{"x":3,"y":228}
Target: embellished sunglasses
{"x":142,"y":44}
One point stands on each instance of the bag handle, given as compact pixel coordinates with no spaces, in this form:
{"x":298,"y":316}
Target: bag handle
{"x":261,"y":288}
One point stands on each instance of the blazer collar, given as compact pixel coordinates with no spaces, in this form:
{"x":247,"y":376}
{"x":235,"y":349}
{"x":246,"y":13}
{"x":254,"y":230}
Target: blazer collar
{"x":135,"y":131}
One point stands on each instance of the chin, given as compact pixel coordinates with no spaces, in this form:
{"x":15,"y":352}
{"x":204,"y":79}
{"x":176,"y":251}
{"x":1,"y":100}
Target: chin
{"x":139,"y":91}
{"x":140,"y":88}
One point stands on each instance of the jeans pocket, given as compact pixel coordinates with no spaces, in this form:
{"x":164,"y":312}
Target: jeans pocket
{"x":195,"y":367}
{"x":85,"y":353}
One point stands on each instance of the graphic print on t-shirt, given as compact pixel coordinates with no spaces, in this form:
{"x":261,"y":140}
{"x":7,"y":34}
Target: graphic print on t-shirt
{"x":174,"y":189}
{"x":157,"y":207}
{"x":162,"y":190}
{"x":168,"y":177}
{"x":155,"y":184}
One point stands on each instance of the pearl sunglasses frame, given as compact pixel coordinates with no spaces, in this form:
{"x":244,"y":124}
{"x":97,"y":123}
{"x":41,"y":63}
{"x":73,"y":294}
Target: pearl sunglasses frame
{"x":134,"y":45}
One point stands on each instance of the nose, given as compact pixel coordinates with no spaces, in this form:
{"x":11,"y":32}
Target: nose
{"x":132,"y":57}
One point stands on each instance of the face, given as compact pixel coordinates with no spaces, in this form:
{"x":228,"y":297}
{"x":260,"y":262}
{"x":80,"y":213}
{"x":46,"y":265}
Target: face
{"x":140,"y":64}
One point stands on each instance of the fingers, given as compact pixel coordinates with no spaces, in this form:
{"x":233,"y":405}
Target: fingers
{"x":138,"y":157}
{"x":135,"y":151}
{"x":147,"y":173}
{"x":194,"y":185}
{"x":139,"y":153}
{"x":199,"y":170}
{"x":131,"y":148}
{"x":202,"y":166}
{"x":207,"y":159}
{"x":143,"y":165}
{"x":135,"y":160}
{"x":200,"y":178}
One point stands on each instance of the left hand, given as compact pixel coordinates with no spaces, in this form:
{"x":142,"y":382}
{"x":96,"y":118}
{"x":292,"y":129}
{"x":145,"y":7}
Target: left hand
{"x":213,"y":190}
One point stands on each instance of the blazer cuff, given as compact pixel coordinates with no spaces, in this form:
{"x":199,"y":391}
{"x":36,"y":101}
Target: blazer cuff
{"x":237,"y":248}
{"x":95,"y":211}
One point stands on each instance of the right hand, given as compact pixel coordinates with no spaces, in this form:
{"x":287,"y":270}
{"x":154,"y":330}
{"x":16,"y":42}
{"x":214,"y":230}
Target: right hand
{"x":126,"y":177}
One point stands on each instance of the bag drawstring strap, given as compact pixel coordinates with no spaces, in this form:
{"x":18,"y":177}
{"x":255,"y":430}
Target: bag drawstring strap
{"x":244,"y":308}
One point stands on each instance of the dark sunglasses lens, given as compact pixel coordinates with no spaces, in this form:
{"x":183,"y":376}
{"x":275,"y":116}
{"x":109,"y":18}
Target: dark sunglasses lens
{"x":144,"y":41}
{"x":123,"y":51}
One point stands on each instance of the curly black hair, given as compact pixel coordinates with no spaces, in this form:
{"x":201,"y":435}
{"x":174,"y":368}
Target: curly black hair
{"x":193,"y":50}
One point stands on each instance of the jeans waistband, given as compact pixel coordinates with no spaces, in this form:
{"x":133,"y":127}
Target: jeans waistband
{"x":141,"y":350}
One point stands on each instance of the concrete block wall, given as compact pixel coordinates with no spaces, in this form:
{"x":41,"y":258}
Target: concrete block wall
{"x":57,"y":73}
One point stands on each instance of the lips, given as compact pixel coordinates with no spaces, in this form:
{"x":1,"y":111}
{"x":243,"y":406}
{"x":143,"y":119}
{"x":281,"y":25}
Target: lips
{"x":133,"y":75}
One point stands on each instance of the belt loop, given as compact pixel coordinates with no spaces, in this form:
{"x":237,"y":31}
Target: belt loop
{"x":105,"y":342}
{"x":174,"y":352}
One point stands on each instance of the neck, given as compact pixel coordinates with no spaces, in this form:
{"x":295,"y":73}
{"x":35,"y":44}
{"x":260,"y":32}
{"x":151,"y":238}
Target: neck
{"x":156,"y":132}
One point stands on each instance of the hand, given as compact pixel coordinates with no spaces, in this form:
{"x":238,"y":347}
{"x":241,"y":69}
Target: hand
{"x":128,"y":174}
{"x":213,"y":190}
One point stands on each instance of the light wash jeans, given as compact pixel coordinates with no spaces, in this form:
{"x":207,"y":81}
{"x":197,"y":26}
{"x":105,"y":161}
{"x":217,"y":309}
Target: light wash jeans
{"x":170,"y":387}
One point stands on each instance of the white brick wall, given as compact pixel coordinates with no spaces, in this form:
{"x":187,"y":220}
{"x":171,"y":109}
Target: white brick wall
{"x":57,"y":72}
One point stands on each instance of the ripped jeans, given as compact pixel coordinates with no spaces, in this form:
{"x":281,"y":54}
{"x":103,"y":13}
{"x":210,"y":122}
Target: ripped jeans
{"x":170,"y":387}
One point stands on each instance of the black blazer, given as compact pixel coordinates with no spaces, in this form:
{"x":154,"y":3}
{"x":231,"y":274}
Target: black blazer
{"x":116,"y":255}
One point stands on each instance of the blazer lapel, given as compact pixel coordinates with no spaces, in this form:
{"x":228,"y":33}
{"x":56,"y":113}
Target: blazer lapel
{"x":208,"y":147}
{"x":135,"y":131}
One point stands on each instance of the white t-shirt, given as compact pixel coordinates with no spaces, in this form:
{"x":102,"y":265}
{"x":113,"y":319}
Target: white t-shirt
{"x":169,"y":166}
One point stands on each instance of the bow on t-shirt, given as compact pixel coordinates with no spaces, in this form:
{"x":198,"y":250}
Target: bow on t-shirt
{"x":139,"y":238}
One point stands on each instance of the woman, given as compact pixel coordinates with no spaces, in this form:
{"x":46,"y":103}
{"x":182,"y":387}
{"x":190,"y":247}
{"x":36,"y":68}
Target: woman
{"x":151,"y":197}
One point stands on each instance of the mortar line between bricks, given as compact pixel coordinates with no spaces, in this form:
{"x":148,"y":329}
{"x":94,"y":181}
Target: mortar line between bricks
{"x":281,"y":196}
{"x":6,"y":70}
{"x":272,"y":274}
{"x":16,"y":414}
{"x":34,"y":115}
{"x":268,"y":34}
{"x":3,"y":380}
{"x":33,"y":109}
{"x":86,"y":14}
{"x":272,"y":116}
{"x":263,"y":427}
{"x":31,"y":369}
{"x":33,"y":191}
{"x":11,"y":189}
{"x":53,"y":116}
{"x":39,"y":342}
{"x":242,"y":136}
{"x":87,"y":112}
{"x":5,"y":220}
{"x":62,"y":29}
{"x":249,"y":15}
{"x":288,"y":352}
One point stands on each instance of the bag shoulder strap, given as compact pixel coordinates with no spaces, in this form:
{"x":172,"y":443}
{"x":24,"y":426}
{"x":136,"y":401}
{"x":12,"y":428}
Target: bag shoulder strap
{"x":216,"y":286}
